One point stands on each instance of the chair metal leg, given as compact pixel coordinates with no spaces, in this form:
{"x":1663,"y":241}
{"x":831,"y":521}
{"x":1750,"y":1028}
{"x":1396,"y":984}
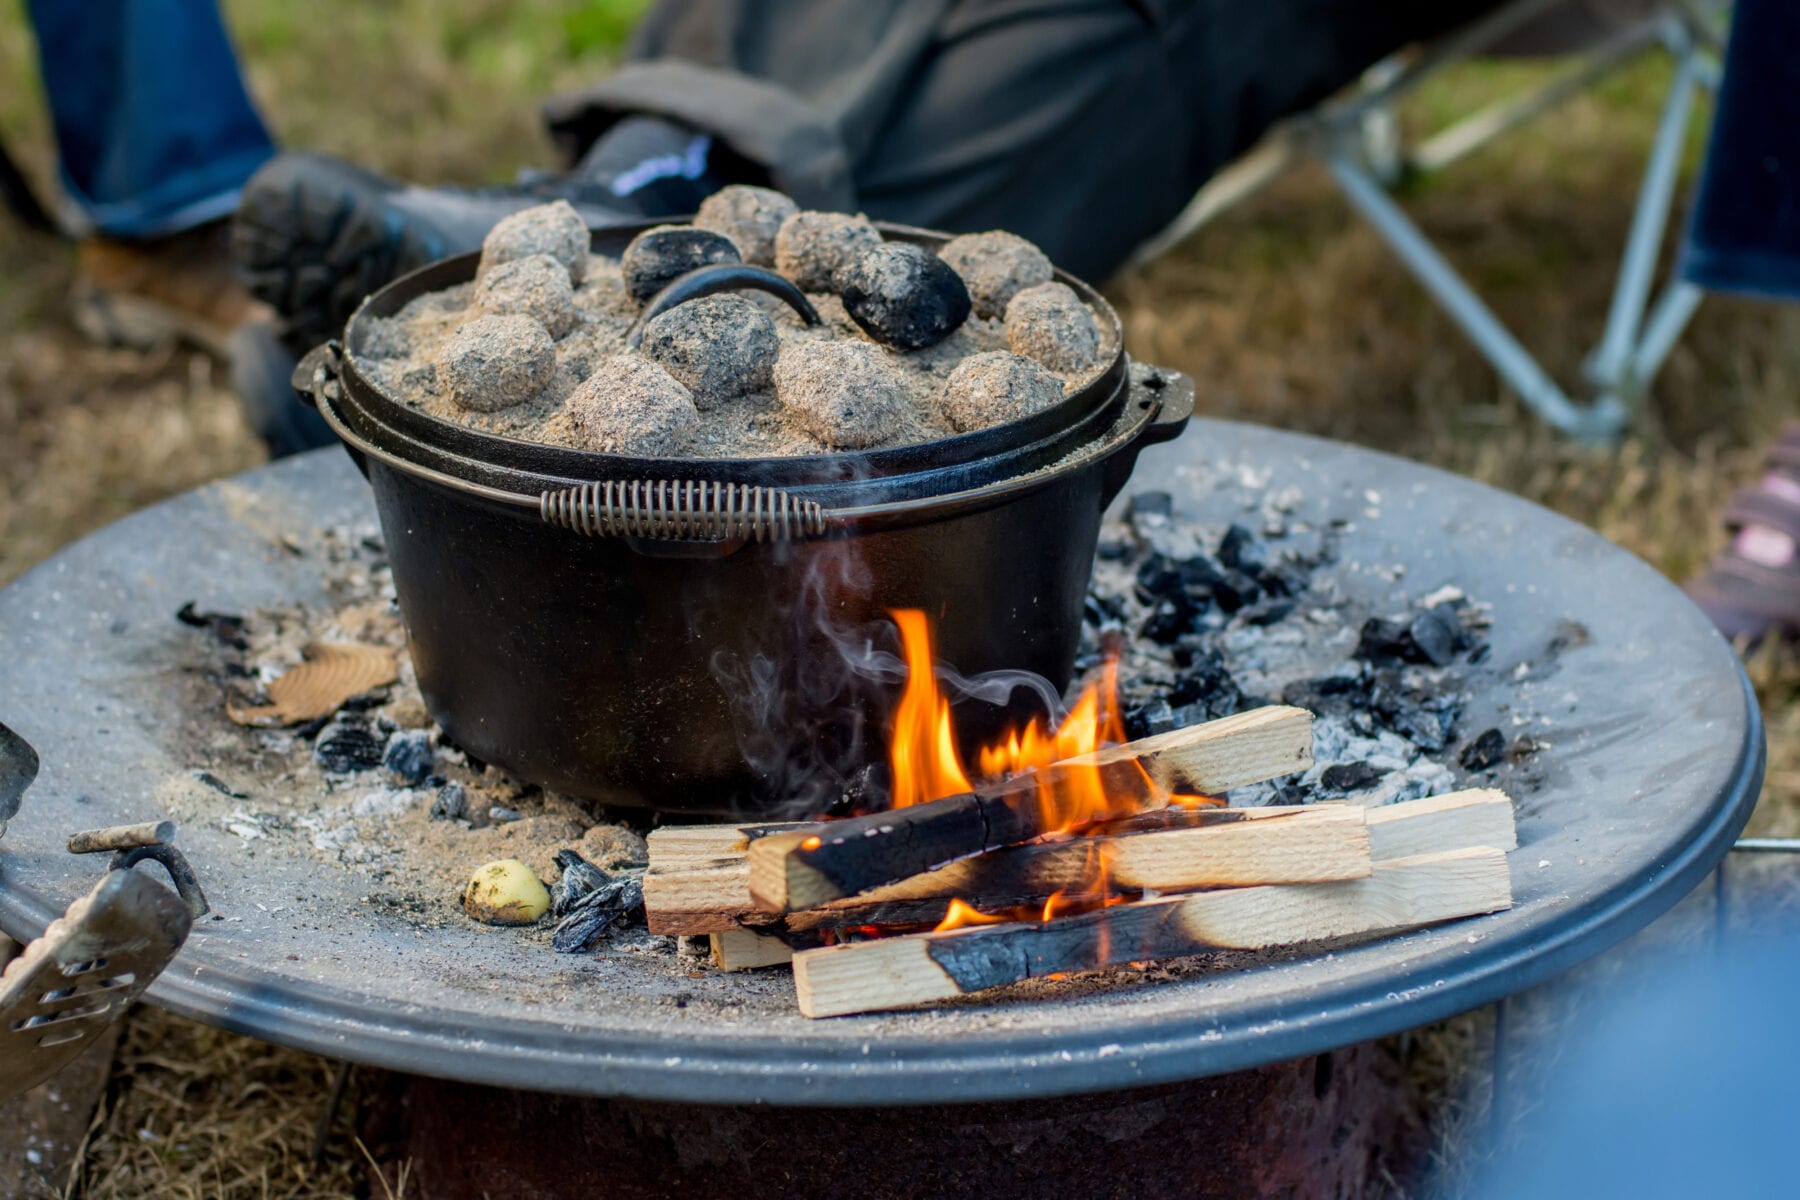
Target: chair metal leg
{"x":1611,"y":363}
{"x":1513,"y":362}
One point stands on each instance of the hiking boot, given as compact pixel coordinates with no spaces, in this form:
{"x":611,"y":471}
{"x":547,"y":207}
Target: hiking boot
{"x":145,"y":294}
{"x":314,"y":234}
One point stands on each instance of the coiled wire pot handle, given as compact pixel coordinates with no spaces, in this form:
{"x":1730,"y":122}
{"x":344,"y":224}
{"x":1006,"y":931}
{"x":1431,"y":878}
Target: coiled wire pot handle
{"x":682,"y":510}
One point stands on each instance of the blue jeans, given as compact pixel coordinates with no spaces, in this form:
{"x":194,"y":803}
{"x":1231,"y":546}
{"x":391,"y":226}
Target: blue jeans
{"x":154,"y":129}
{"x":1745,"y":234}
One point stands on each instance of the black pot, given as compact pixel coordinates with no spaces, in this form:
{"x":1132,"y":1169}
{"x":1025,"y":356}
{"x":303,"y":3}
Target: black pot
{"x":707,"y":636}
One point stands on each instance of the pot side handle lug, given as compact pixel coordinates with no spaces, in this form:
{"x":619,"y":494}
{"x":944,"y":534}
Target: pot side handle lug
{"x":1172,"y":393}
{"x":317,"y":379}
{"x":666,"y":518}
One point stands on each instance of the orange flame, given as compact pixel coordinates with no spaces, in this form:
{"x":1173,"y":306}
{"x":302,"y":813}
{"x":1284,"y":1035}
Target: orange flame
{"x":922,"y":748}
{"x":927,"y":764}
{"x":961,"y":914}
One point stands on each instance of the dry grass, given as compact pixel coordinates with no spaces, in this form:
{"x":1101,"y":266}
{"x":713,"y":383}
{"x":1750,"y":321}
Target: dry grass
{"x":196,"y":1114}
{"x":1287,"y":312}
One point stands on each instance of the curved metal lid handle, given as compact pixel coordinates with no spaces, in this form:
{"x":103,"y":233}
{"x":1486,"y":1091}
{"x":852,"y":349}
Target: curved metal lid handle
{"x":721,"y":277}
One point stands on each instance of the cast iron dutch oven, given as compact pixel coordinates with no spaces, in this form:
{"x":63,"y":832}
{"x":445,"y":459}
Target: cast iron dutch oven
{"x":711,"y":635}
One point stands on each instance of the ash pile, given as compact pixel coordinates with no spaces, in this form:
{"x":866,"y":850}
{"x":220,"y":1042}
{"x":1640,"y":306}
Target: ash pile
{"x":1209,"y":621}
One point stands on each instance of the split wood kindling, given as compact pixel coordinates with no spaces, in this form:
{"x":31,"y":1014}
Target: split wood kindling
{"x":1244,"y":878}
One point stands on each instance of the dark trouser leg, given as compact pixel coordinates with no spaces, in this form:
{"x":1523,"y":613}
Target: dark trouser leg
{"x":1086,"y":126}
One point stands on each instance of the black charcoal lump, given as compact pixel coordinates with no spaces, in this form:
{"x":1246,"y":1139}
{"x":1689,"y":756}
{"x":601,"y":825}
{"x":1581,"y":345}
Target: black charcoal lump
{"x":1482,"y":754}
{"x":904,"y":296}
{"x":349,"y":744}
{"x":408,"y":756}
{"x":657,"y":257}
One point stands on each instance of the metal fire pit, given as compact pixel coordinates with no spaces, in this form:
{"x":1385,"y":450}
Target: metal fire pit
{"x":1652,"y":766}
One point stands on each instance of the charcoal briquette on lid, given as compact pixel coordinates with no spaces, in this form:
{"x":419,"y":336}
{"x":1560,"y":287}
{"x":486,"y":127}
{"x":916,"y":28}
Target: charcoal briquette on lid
{"x":903,"y":296}
{"x":555,"y":229}
{"x":629,"y":405}
{"x":536,"y":286}
{"x":1051,"y":324}
{"x":658,"y":256}
{"x":843,"y":393}
{"x":814,"y":248}
{"x":996,"y":266}
{"x":719,"y":347}
{"x":750,"y":217}
{"x":492,"y":363}
{"x":996,"y":387}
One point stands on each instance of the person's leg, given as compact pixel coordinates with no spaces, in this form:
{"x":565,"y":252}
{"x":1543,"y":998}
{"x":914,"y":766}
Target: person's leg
{"x":154,"y":130}
{"x":1086,"y":125}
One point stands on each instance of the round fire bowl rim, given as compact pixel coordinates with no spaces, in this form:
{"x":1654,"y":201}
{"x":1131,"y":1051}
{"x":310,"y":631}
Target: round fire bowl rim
{"x":1643,"y":790}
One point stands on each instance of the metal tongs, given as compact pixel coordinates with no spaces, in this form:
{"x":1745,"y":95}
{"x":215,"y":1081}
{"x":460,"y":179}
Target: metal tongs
{"x":95,"y":959}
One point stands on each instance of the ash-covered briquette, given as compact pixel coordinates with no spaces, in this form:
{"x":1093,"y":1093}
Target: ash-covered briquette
{"x":996,"y":387}
{"x":555,"y":229}
{"x":750,"y":217}
{"x":903,"y":296}
{"x":536,"y":286}
{"x":493,"y":363}
{"x":996,"y":266}
{"x":629,"y":405}
{"x":1051,"y":324}
{"x":844,"y":393}
{"x":657,"y":257}
{"x":814,"y":249}
{"x":721,"y":348}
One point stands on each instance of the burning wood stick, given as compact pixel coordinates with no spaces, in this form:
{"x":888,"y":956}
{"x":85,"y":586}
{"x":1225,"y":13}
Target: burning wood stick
{"x":807,"y":868}
{"x":920,"y":968}
{"x":699,"y":877}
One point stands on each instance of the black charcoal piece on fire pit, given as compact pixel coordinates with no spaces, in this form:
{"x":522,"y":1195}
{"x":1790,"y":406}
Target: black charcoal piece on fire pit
{"x":350,"y":743}
{"x":1150,"y":719}
{"x":579,"y":878}
{"x":408,"y":756}
{"x":904,"y":296}
{"x":593,"y":914}
{"x":451,"y":802}
{"x":1485,"y":752}
{"x":226,"y":627}
{"x":659,"y":255}
{"x":1151,"y":504}
{"x":1437,"y":635}
{"x":1350,"y":777}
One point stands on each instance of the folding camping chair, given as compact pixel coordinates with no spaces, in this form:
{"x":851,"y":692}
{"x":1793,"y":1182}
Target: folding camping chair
{"x":1356,"y":137}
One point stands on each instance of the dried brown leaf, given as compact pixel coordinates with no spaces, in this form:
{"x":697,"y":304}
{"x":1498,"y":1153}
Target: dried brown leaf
{"x":332,"y":673}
